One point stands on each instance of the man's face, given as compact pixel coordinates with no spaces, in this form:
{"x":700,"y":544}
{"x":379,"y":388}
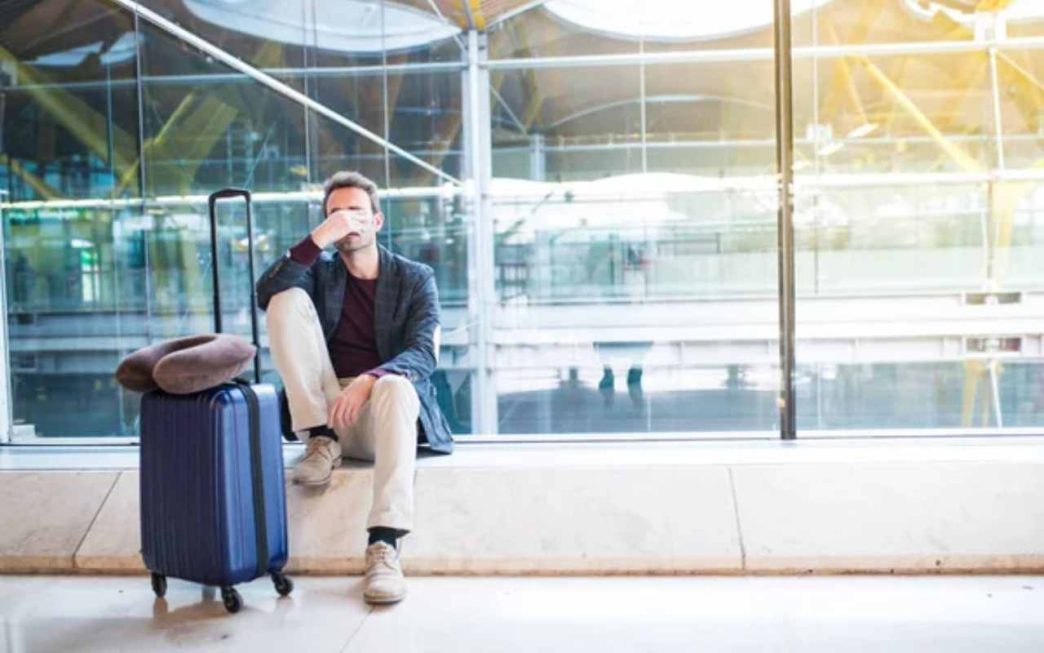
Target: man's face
{"x":353,"y":205}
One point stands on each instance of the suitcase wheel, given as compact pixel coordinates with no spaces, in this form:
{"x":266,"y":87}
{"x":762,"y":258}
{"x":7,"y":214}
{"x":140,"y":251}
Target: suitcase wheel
{"x":282,"y":583}
{"x":231,"y":598}
{"x":159,"y":585}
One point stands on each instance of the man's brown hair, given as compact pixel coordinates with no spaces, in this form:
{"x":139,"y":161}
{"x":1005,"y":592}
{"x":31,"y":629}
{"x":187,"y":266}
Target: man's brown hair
{"x":350,"y":179}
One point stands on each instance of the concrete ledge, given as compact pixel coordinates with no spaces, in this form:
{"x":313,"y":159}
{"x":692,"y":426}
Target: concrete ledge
{"x":971,"y":516}
{"x":46,"y":516}
{"x":574,"y":519}
{"x":112,"y":545}
{"x":637,"y":508}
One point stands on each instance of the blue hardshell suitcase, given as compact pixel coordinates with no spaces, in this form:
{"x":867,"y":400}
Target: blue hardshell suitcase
{"x":213,"y":502}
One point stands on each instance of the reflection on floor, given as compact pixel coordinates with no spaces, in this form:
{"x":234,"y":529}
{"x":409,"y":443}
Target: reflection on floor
{"x":846,"y":613}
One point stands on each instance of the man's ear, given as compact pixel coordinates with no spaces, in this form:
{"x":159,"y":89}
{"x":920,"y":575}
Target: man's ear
{"x":378,"y":221}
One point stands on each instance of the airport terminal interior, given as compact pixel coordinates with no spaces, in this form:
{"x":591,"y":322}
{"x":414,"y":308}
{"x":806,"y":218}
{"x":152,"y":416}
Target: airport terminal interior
{"x":597,"y":185}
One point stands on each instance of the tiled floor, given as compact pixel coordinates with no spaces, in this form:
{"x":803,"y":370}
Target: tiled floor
{"x":843,"y":613}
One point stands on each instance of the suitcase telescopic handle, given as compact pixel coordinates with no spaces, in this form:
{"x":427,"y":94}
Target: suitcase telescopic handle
{"x":230,"y":193}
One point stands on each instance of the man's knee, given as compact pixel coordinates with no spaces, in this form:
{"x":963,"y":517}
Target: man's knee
{"x":290,"y":304}
{"x":394,"y":387}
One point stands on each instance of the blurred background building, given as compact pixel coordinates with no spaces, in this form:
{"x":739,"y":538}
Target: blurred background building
{"x":593,"y":181}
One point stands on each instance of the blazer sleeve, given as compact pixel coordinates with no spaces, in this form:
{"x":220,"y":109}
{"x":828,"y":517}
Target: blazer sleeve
{"x":417,"y":359}
{"x":283,"y":274}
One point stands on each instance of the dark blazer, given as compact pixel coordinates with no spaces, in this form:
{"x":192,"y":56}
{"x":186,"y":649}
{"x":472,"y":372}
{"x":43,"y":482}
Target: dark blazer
{"x":405,"y":314}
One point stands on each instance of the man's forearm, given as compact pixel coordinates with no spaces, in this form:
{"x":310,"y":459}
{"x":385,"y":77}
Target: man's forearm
{"x":292,"y":270}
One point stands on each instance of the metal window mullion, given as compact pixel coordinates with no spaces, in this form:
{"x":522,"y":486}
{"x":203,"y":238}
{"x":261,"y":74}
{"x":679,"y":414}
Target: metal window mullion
{"x":998,"y":126}
{"x":6,"y":396}
{"x":309,"y":44}
{"x":139,"y":43}
{"x":386,"y":126}
{"x":481,"y":272}
{"x":785,"y":223}
{"x":642,"y":108}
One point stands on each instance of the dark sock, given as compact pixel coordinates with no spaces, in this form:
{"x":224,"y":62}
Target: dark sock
{"x":387,"y":535}
{"x":323,"y":430}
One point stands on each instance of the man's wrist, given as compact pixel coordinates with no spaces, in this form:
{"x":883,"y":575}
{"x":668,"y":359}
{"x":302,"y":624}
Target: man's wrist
{"x":306,"y":252}
{"x":368,"y":378}
{"x":318,"y":238}
{"x":377,"y":373}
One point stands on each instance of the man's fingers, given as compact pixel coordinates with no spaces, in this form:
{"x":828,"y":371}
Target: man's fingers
{"x":346,"y":408}
{"x":336,"y":412}
{"x":343,"y":411}
{"x":345,"y":415}
{"x":352,"y":412}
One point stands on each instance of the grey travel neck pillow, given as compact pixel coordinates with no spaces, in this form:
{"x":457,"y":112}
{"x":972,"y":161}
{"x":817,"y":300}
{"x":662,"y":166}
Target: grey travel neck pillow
{"x":185,"y":365}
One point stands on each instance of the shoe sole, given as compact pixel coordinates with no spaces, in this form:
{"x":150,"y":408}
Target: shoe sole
{"x":373,"y":600}
{"x":323,"y":481}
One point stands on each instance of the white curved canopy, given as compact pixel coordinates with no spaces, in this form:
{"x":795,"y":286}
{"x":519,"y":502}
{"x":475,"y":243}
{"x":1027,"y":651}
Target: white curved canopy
{"x":340,"y":25}
{"x":671,"y":19}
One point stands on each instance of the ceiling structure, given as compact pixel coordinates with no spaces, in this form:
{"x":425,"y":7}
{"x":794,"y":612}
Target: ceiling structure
{"x":941,"y":97}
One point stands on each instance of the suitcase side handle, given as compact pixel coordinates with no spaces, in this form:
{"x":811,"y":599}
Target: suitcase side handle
{"x":229,"y":193}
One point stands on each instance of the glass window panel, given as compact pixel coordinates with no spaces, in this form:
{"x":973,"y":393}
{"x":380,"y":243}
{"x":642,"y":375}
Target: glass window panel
{"x":434,"y":230}
{"x":891,"y":239}
{"x":425,"y":118}
{"x":562,"y":28}
{"x":901,"y":113}
{"x":542,"y":33}
{"x":336,"y":147}
{"x":75,"y":280}
{"x":635,"y":249}
{"x":1022,"y":18}
{"x":1019,"y":228}
{"x":338,"y":32}
{"x":422,"y":31}
{"x":886,"y":21}
{"x":916,"y":222}
{"x":68,"y":101}
{"x":74,"y":274}
{"x":632,"y":206}
{"x":206,"y":128}
{"x":566,"y":123}
{"x":1021,"y":105}
{"x":706,"y":119}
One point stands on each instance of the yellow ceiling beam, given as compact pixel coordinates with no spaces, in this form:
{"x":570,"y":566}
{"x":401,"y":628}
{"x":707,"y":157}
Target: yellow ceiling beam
{"x":157,"y":142}
{"x":476,"y":13}
{"x":963,"y":159}
{"x":192,"y":128}
{"x":42,"y":188}
{"x":83,"y":122}
{"x":1029,"y":98}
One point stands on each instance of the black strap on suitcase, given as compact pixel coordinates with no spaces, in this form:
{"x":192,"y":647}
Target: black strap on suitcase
{"x":257,"y":470}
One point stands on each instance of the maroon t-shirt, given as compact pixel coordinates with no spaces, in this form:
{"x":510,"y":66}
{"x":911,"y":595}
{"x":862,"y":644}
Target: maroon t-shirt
{"x":353,"y":346}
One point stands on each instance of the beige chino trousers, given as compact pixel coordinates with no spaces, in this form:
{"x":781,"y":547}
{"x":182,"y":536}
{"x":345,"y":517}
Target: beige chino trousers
{"x":385,"y":430}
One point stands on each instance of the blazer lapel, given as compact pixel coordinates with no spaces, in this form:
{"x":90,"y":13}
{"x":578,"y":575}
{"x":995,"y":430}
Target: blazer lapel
{"x":384,"y":303}
{"x":335,"y":296}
